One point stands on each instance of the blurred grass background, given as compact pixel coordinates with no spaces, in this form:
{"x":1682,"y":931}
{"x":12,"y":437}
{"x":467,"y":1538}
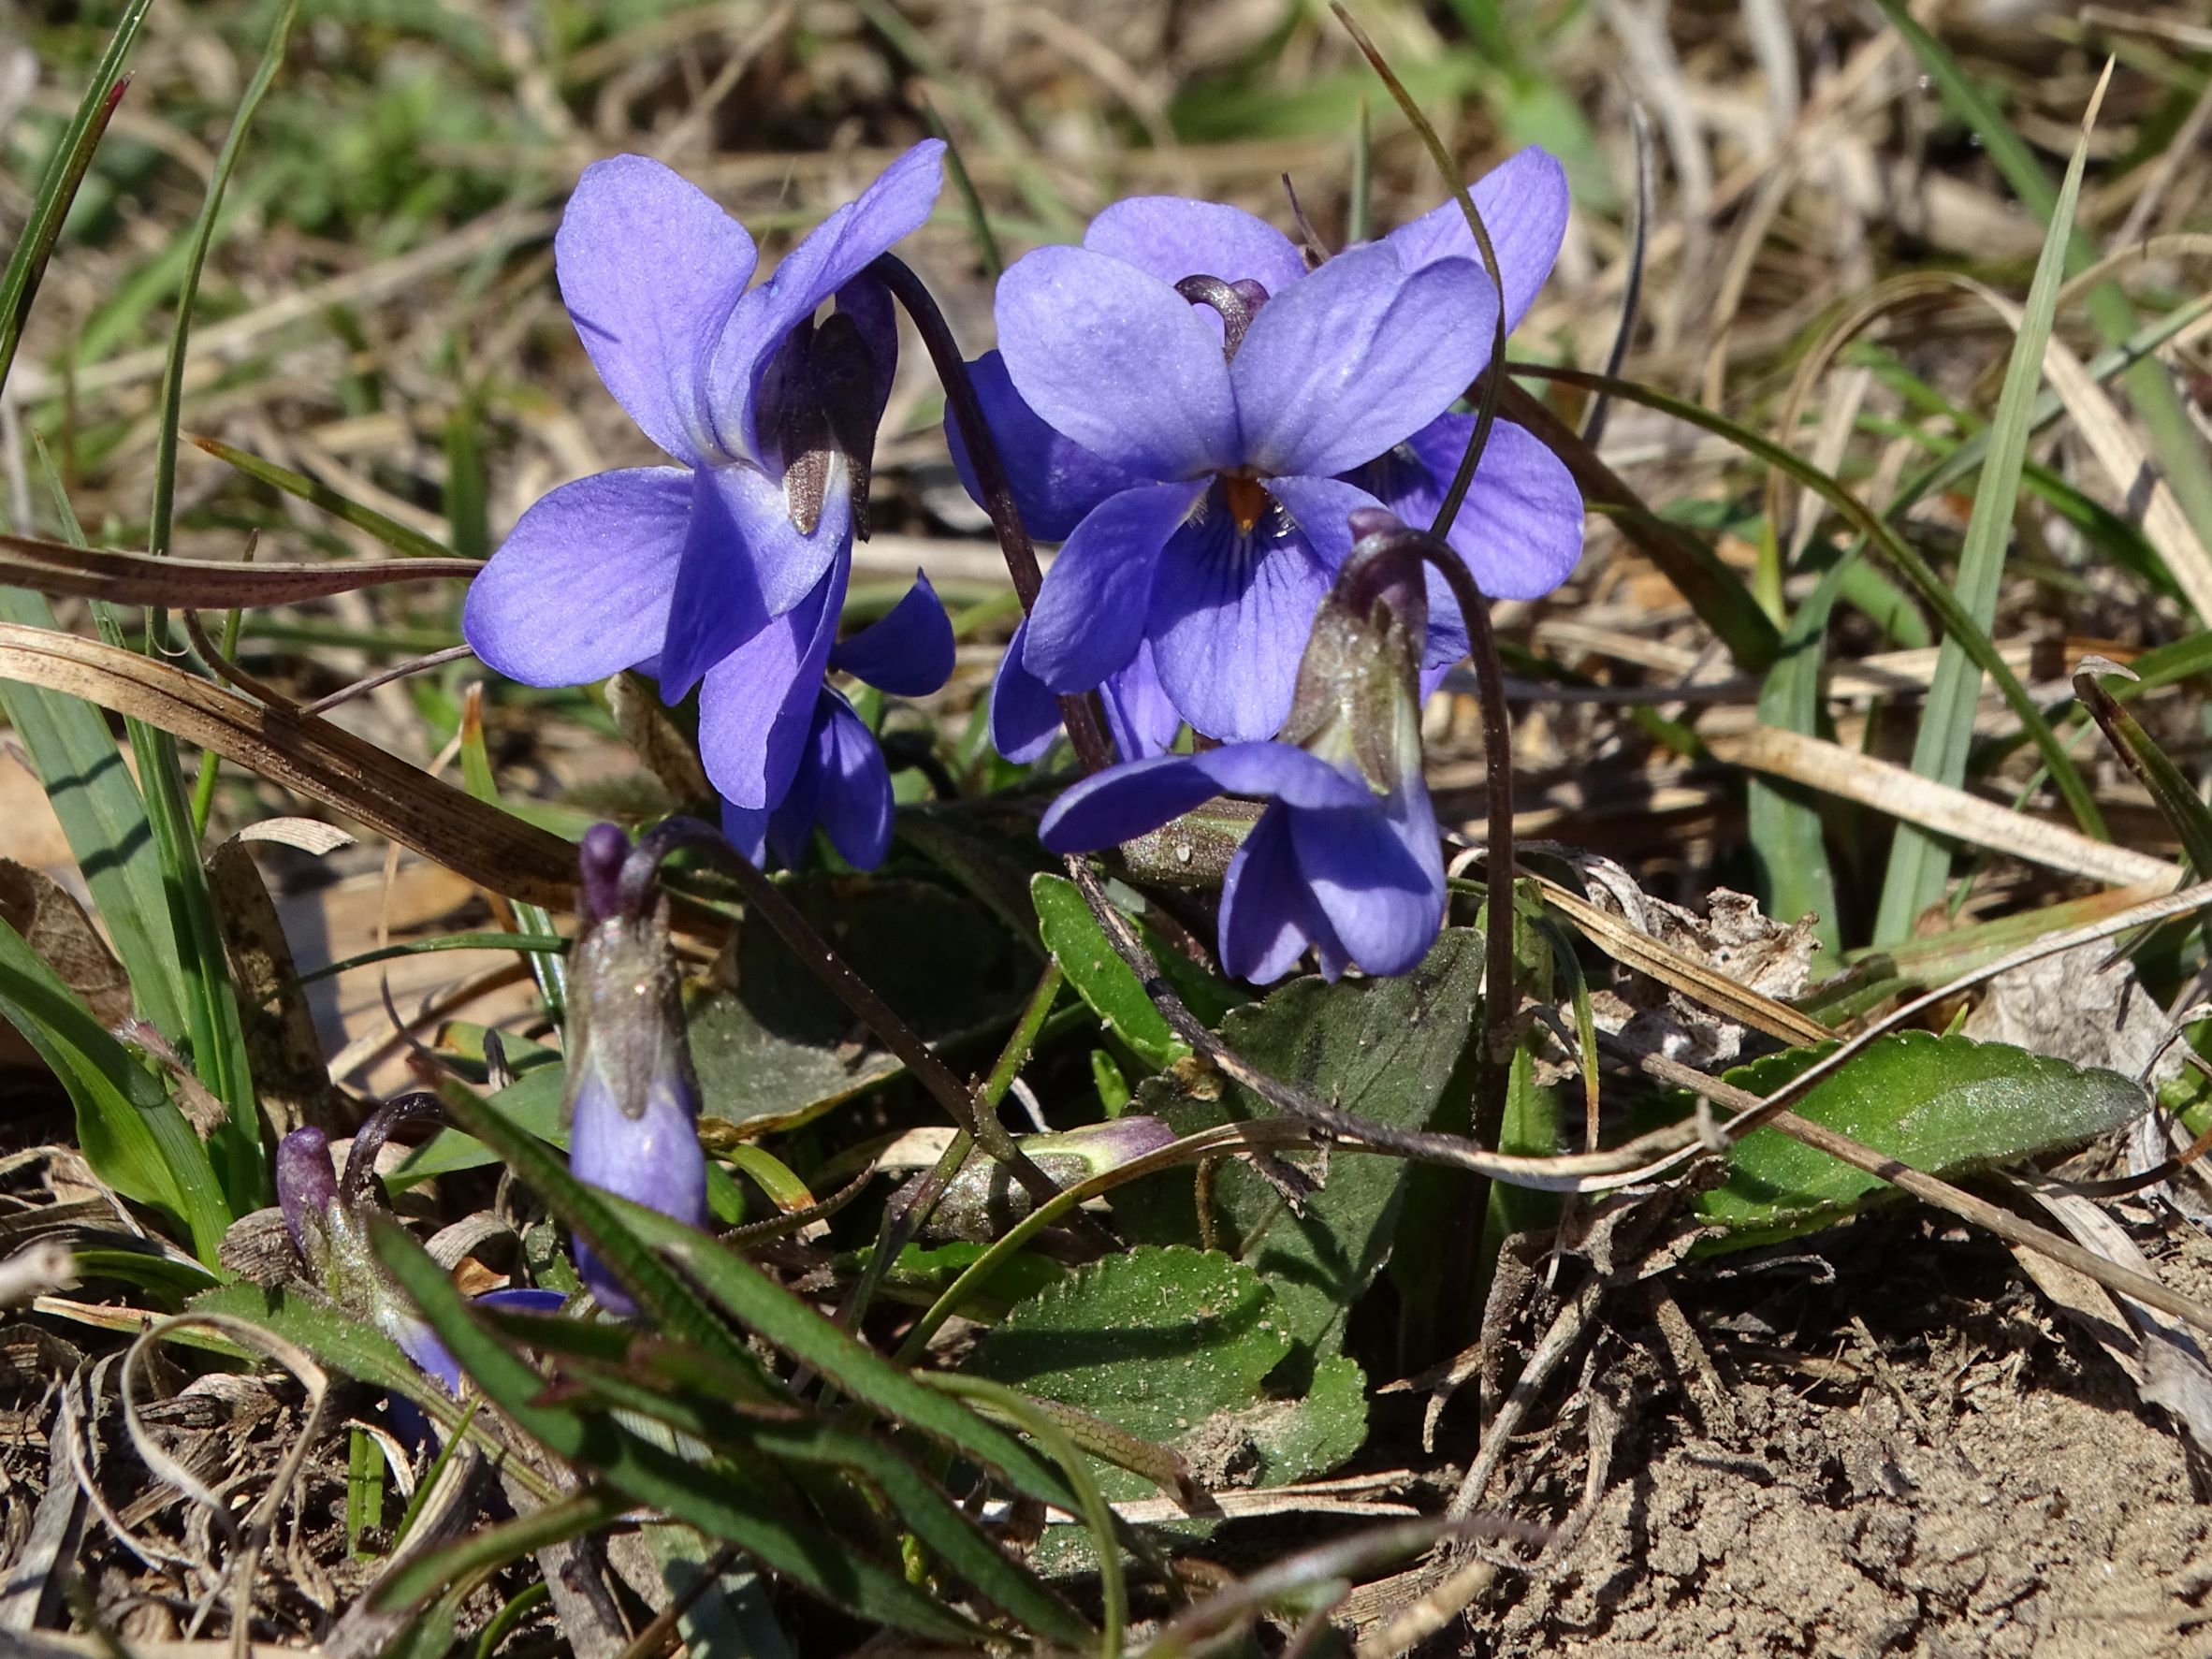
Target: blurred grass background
{"x":378,"y":311}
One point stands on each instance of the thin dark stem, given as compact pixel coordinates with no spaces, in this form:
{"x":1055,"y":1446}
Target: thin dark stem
{"x":1486,"y":406}
{"x":385,"y":676}
{"x":1076,"y":712}
{"x":360,"y":1159}
{"x":1594,"y":425}
{"x":856,"y":994}
{"x":1499,"y":997}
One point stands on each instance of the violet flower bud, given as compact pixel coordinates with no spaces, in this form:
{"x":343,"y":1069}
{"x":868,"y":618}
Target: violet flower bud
{"x":307,"y":1191}
{"x":632,"y":1105}
{"x":982,"y":1199}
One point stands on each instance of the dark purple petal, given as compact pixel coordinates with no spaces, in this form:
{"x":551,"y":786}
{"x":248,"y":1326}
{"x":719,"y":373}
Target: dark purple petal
{"x":1055,"y":480}
{"x":755,"y":705}
{"x":1523,"y":203}
{"x":1358,"y":357}
{"x":1172,"y":238}
{"x":855,"y":805}
{"x":1138,"y":713}
{"x":875,"y":313}
{"x":580,"y":589}
{"x":1267,"y":915}
{"x":791,"y":820}
{"x":908,"y":652}
{"x":306,"y":1182}
{"x":1123,"y":802}
{"x":833,"y":253}
{"x":1520,"y":528}
{"x":1025,"y":714}
{"x":747,"y":829}
{"x":524,"y":1299}
{"x":1380,"y":884}
{"x":1228,"y":620}
{"x":1090,"y":613}
{"x":1118,"y":361}
{"x":744,"y":563}
{"x":650,"y":270}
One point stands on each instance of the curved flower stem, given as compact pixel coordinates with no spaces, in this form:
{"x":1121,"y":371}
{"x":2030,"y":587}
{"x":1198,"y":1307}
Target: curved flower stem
{"x":1499,"y":997}
{"x":855,"y":993}
{"x":1486,"y":400}
{"x":1076,"y":712}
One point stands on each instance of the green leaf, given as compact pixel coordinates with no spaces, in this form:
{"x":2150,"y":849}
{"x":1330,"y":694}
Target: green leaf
{"x":778,"y":1050}
{"x":1100,"y":977}
{"x":128,"y":1128}
{"x":1383,"y":1049}
{"x":1154,"y":1341}
{"x":1301,"y":1440}
{"x":103,"y":817}
{"x":1940,"y":1104}
{"x":1920,"y":861}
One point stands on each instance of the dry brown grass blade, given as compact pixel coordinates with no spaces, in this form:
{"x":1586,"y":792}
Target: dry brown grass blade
{"x":311,"y":757}
{"x":213,"y":585}
{"x":1671,"y":968}
{"x":1835,"y":770}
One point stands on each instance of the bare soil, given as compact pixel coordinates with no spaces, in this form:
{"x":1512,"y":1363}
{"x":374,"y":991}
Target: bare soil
{"x":1909,"y":1457}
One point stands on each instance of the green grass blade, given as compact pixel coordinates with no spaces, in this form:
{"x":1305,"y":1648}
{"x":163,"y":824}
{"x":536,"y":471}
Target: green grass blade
{"x":420,"y":1578}
{"x":128,"y":1128}
{"x":721,"y":1499}
{"x":763,"y":1306}
{"x":2171,"y":791}
{"x":2173,"y":434}
{"x":203,"y":235}
{"x":1920,"y":862}
{"x":1930,"y":588}
{"x":1787,"y":838}
{"x":57,"y":189}
{"x":343,"y":509}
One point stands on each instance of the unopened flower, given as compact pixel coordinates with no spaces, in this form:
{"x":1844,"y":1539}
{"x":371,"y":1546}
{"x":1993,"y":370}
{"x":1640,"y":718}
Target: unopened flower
{"x":724,"y":571}
{"x":1345,"y":858}
{"x":841,"y":782}
{"x":325,"y":1217}
{"x":633,"y":1102}
{"x":1202,"y":502}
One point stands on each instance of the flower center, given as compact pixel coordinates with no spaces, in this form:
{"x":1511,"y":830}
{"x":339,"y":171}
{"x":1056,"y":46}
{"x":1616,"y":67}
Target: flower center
{"x":1246,"y":499}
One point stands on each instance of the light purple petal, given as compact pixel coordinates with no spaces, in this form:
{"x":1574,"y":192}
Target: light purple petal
{"x":1172,"y":238}
{"x":1119,"y":362}
{"x":1523,"y":203}
{"x":744,"y":563}
{"x":1090,"y":613}
{"x":1025,"y":714}
{"x":833,"y":253}
{"x":1282,"y":772}
{"x":1267,"y":914}
{"x":650,"y":270}
{"x":1358,"y":357}
{"x":1138,"y":714}
{"x":855,"y":807}
{"x":1228,"y":620}
{"x":755,"y":704}
{"x":1382,"y":889}
{"x":652,"y":1159}
{"x":580,"y":587}
{"x":1122,"y":802}
{"x":1520,"y":528}
{"x":1056,"y":480}
{"x":908,"y":652}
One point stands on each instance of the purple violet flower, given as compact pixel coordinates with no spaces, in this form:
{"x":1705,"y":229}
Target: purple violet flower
{"x":723,"y":570}
{"x":841,"y":782}
{"x":1345,"y":858}
{"x":1200,"y":501}
{"x":632,"y":1105}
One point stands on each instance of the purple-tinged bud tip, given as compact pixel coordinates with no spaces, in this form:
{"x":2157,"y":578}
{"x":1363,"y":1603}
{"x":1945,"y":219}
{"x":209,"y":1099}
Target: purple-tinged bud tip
{"x":306,"y":1183}
{"x":598,"y":863}
{"x":1375,"y":521}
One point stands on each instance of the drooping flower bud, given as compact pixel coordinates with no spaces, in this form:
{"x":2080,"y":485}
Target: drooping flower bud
{"x":307,"y":1190}
{"x":982,"y":1199}
{"x":1358,"y":703}
{"x":632,"y":1105}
